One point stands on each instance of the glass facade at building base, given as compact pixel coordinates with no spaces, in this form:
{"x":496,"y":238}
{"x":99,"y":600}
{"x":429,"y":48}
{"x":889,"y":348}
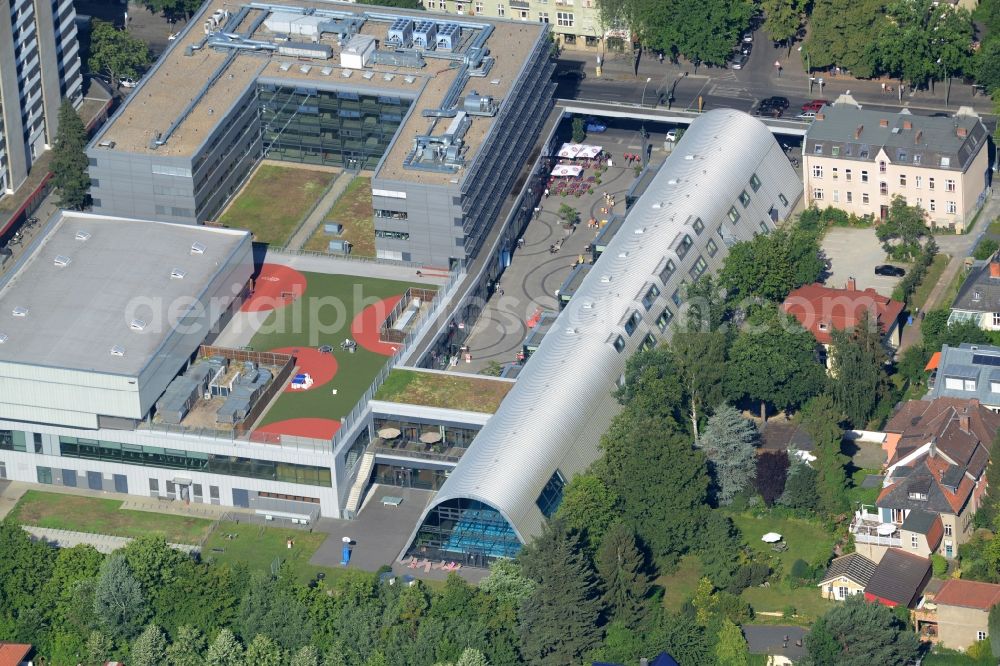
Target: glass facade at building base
{"x":466,"y":531}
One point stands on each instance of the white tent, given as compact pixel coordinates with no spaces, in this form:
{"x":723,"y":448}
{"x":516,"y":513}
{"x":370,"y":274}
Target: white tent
{"x":567,"y":170}
{"x":590,"y":152}
{"x":570,"y":150}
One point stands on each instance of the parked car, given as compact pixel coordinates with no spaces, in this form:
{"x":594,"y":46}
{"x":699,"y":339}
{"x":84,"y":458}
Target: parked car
{"x":595,"y":126}
{"x":671,"y":135}
{"x":746,"y":48}
{"x":748,"y":36}
{"x":778,"y":102}
{"x":814,"y":105}
{"x":571,"y":74}
{"x":888,"y":270}
{"x":806,"y":115}
{"x":739,"y":61}
{"x":128,"y":83}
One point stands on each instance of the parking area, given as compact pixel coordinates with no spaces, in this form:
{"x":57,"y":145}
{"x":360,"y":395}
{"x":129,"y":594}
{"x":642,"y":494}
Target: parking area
{"x":855,"y":253}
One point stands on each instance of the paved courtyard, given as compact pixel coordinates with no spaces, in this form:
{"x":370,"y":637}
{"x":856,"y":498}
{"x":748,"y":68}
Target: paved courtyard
{"x":855,"y":253}
{"x":535,"y":273}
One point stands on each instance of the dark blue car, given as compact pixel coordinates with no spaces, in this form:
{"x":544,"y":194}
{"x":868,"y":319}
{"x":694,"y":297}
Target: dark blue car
{"x":596,"y":126}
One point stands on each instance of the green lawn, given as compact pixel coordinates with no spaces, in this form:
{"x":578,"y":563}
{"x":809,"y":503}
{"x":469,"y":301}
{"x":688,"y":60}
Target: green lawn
{"x":808,"y":604}
{"x":934,"y":272}
{"x":444,"y":390}
{"x":680,"y":585}
{"x":994,"y":228}
{"x":257,"y":546}
{"x":806,"y":540}
{"x":353,"y":209}
{"x":104,"y":516}
{"x":274,"y":201}
{"x":948,"y":297}
{"x":859,"y":495}
{"x":326,"y":322}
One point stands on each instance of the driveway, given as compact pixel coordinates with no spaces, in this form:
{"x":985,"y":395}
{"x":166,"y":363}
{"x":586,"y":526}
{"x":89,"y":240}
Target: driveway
{"x":855,"y":253}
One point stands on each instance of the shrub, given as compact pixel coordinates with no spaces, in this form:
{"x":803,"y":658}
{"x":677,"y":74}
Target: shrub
{"x":939,"y":564}
{"x":985,"y":249}
{"x":759,"y":572}
{"x":740,"y":581}
{"x":788,"y":612}
{"x":800,"y":574}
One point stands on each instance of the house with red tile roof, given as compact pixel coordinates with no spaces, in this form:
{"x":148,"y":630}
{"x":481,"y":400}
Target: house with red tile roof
{"x":957,"y":615}
{"x":822,"y":310}
{"x":16,"y":654}
{"x":938,"y":451}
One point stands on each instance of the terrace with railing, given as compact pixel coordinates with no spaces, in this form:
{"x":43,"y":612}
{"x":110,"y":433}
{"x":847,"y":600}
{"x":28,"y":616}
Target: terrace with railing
{"x":869,"y":528}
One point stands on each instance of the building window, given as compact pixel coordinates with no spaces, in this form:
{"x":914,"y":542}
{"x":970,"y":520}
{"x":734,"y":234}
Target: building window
{"x":930,"y":183}
{"x":949,"y":185}
{"x":44,"y":475}
{"x":850,"y":197}
{"x":834,"y":173}
{"x":945,"y":161}
{"x":651,"y":294}
{"x":881,"y":166}
{"x":632,"y":322}
{"x":698,"y":225}
{"x":734,"y":215}
{"x":818,"y":193}
{"x":386,"y":214}
{"x":551,"y":496}
{"x":619,"y":344}
{"x":818,"y":149}
{"x":394,"y":235}
{"x":918,"y":181}
{"x":664,"y":319}
{"x":754,"y":182}
{"x":842,"y":592}
{"x":712,"y":247}
{"x":817,"y":171}
{"x":480,"y":8}
{"x":648,"y":342}
{"x":996,"y":320}
{"x":951,"y":207}
{"x":914,"y":541}
{"x":782,"y":199}
{"x":883,"y":188}
{"x":847,"y":175}
{"x":902,"y":180}
{"x":836,"y":196}
{"x":543,"y":17}
{"x":683,"y":246}
{"x":864,"y":197}
{"x":699,"y":268}
{"x":523,"y":14}
{"x":564,"y":19}
{"x":667,"y":272}
{"x":763,"y":227}
{"x":864,"y":176}
{"x":920,"y":202}
{"x":676,"y":297}
{"x":933,"y":206}
{"x":501,"y":10}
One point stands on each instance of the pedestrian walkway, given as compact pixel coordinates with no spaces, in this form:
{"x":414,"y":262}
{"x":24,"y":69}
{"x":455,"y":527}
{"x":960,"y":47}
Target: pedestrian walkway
{"x":319,"y":212}
{"x":102,"y":543}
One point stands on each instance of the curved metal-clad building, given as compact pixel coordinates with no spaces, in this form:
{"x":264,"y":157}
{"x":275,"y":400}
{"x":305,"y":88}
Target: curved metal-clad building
{"x":726,"y":181}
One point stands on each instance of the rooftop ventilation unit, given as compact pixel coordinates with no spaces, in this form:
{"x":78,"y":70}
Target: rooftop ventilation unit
{"x":106,"y":144}
{"x":368,"y":75}
{"x":449,"y":36}
{"x":83,"y":235}
{"x":480,"y":105}
{"x":177,"y":274}
{"x":326,"y":71}
{"x":409,"y":79}
{"x":285,"y":66}
{"x":425,"y":35}
{"x":387,"y":77}
{"x":19,"y":311}
{"x":137,"y":325}
{"x":606,"y":279}
{"x":197,"y":248}
{"x":346,"y":73}
{"x":62,"y":260}
{"x":305,"y":69}
{"x":117,"y":350}
{"x":3,"y":338}
{"x":400,"y":33}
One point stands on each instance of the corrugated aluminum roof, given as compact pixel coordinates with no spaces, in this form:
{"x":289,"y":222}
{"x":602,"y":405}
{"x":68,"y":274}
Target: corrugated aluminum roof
{"x":560,"y":406}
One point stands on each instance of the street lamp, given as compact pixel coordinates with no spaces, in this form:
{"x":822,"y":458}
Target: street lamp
{"x":648,"y":79}
{"x":808,"y":69}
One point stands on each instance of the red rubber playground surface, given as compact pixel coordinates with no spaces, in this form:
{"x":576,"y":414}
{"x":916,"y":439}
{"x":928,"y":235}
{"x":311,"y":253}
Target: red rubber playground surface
{"x":275,"y":287}
{"x":322,"y":367}
{"x":366,"y":324}
{"x":304,"y":427}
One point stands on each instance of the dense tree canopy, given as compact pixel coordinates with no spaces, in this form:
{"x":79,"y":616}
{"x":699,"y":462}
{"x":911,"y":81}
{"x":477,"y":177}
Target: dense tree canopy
{"x":859,"y":380}
{"x":116,"y":53}
{"x":858,"y":633}
{"x":730,"y":443}
{"x":768,"y":267}
{"x":69,"y":161}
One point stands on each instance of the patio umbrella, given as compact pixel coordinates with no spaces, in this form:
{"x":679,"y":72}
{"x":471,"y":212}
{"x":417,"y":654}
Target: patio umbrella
{"x":389,"y":433}
{"x":771,"y":537}
{"x":431,"y":437}
{"x":885,"y":529}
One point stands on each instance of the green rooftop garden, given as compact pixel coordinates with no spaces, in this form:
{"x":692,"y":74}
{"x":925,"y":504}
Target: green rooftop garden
{"x":451,"y":391}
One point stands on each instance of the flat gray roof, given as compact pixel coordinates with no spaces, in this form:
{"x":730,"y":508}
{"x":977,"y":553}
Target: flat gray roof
{"x":77,"y":312}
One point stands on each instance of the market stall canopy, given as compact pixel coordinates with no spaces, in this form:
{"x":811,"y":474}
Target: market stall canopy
{"x":590,"y":152}
{"x":567,"y":170}
{"x":570,"y":150}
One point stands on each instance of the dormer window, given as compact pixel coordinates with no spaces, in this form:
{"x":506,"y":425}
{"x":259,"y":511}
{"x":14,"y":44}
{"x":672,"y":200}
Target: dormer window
{"x":920,"y":497}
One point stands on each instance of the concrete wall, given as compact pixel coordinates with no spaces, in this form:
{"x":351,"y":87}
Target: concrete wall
{"x":140,"y":185}
{"x":958,"y":626}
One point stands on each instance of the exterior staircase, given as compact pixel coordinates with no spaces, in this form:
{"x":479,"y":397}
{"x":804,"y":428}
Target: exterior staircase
{"x":360,"y":484}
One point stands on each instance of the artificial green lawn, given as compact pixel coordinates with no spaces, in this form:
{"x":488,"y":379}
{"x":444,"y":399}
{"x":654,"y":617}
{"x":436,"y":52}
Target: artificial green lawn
{"x":296,"y":326}
{"x":104,"y":516}
{"x":274,"y":201}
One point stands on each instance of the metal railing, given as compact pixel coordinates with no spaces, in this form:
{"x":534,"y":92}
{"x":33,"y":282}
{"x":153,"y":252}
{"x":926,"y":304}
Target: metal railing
{"x":403,"y":452}
{"x":865,"y":528}
{"x":271,"y":249}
